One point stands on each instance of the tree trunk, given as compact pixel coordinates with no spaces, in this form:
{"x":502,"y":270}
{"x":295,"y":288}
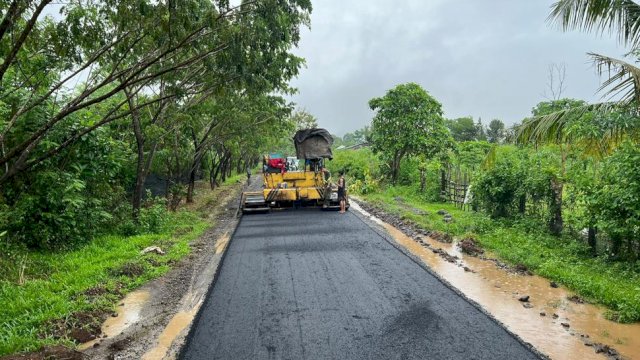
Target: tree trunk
{"x":195,"y":167}
{"x":239,"y":166}
{"x":591,"y":239}
{"x":395,"y":166}
{"x":616,"y":245}
{"x":213,"y":173}
{"x":176,"y":178}
{"x":555,"y":207}
{"x":223,"y":169}
{"x":522,"y":204}
{"x":191,"y":186}
{"x":138,"y":189}
{"x":136,"y":201}
{"x":443,"y":184}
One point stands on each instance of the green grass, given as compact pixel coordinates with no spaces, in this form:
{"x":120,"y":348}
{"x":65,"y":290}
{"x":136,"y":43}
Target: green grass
{"x":56,"y":282}
{"x":564,"y":260}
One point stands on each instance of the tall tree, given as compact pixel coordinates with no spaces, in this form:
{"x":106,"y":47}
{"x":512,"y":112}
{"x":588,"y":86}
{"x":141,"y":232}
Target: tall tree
{"x":463,"y":129}
{"x":495,"y":131}
{"x":408,"y":121}
{"x":304,"y":119}
{"x":133,"y":47}
{"x":482,"y":136}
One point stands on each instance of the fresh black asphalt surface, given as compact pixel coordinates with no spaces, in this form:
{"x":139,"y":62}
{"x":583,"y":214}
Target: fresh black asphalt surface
{"x":307,"y":284}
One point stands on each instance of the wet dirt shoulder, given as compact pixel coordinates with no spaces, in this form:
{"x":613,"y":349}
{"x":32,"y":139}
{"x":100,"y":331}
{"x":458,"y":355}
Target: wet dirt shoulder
{"x":467,"y":255}
{"x":171,"y":301}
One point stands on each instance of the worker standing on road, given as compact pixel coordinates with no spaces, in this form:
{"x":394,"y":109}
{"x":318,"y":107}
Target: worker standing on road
{"x":248,"y":175}
{"x":342,"y":194}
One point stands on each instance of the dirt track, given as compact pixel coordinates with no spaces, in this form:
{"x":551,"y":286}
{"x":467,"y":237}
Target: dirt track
{"x":320,"y":285}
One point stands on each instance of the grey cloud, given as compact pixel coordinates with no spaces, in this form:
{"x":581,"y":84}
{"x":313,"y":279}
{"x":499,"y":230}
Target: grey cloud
{"x":482,"y":58}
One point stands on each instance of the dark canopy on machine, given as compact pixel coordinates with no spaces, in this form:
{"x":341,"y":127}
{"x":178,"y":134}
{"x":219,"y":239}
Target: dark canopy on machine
{"x":313,"y":144}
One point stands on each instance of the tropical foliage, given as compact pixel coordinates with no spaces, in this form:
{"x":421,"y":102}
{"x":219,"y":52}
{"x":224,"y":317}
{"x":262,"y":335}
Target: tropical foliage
{"x":110,"y":99}
{"x":408,"y":122}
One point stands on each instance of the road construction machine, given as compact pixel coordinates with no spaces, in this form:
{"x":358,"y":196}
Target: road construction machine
{"x":308,"y":183}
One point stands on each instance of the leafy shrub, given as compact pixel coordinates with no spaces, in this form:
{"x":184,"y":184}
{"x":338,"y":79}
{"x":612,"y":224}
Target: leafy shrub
{"x":409,"y":173}
{"x":152,"y":219}
{"x":516,"y":180}
{"x":498,"y":186}
{"x":615,"y":202}
{"x":361,"y":168}
{"x":56,"y":213}
{"x":355,"y":163}
{"x":153,"y":216}
{"x":367,"y":186}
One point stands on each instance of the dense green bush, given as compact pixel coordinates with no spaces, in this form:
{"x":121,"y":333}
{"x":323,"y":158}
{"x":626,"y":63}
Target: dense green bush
{"x":409,"y":173}
{"x":498,"y":187}
{"x":469,"y":155}
{"x":355,"y":163}
{"x":152,"y":219}
{"x":361,"y":168}
{"x":517,"y":180}
{"x":616,"y":201}
{"x":56,"y":213}
{"x":67,"y":201}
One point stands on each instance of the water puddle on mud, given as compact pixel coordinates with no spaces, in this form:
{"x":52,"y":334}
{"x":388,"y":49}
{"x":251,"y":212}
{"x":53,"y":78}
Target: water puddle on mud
{"x":178,"y":323}
{"x":221,"y":243}
{"x":128,"y":314}
{"x":498,"y":290}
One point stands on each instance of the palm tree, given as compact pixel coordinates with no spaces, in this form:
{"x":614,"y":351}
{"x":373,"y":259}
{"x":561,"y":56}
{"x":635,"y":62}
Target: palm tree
{"x":621,"y":90}
{"x":622,"y":87}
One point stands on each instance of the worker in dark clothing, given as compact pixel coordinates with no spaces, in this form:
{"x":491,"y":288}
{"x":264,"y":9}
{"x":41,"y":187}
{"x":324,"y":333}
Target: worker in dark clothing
{"x":248,"y":175}
{"x":342,"y":193}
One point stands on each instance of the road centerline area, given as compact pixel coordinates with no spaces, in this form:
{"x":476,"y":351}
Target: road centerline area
{"x":322,"y":285}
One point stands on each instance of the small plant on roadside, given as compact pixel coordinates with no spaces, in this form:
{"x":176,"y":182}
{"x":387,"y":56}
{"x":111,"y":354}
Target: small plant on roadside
{"x":367,"y":186}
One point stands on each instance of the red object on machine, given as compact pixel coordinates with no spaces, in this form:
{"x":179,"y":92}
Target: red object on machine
{"x":278,"y":163}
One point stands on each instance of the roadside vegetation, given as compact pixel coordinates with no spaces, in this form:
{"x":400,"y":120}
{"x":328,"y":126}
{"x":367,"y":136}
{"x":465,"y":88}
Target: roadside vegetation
{"x":46,"y":295}
{"x":110,"y":113}
{"x":517,"y":238}
{"x":557,"y":192}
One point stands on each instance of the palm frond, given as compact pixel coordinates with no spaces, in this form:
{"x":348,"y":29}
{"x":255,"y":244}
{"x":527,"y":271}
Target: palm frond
{"x":620,"y":17}
{"x":623,"y":83}
{"x":611,"y":123}
{"x":553,"y":128}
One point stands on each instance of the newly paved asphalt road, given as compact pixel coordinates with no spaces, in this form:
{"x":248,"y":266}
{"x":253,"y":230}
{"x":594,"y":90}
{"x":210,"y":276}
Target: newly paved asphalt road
{"x":309,"y":284}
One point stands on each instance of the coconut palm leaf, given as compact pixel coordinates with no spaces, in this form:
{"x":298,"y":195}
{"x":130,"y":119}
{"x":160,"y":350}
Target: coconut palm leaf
{"x":623,"y":81}
{"x":608,"y":132}
{"x":622,"y":89}
{"x":620,"y":17}
{"x":554,"y":128}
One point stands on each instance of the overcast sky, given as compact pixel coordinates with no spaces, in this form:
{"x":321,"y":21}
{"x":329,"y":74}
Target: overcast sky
{"x":484,"y":58}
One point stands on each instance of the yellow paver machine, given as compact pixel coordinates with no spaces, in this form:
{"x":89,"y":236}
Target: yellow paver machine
{"x":288,"y":184}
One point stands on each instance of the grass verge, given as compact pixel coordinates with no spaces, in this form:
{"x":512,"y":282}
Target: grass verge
{"x":564,"y":260}
{"x":62,"y":290}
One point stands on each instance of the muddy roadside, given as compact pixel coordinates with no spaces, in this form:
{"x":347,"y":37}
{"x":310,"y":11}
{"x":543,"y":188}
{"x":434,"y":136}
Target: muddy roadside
{"x":152,"y":322}
{"x":540,"y":312}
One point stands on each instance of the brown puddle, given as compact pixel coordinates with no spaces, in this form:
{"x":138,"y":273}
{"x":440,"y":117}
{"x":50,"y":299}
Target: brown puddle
{"x":178,"y":323}
{"x":190,"y":304}
{"x":128,"y":314}
{"x":221,"y":243}
{"x":497,"y":291}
